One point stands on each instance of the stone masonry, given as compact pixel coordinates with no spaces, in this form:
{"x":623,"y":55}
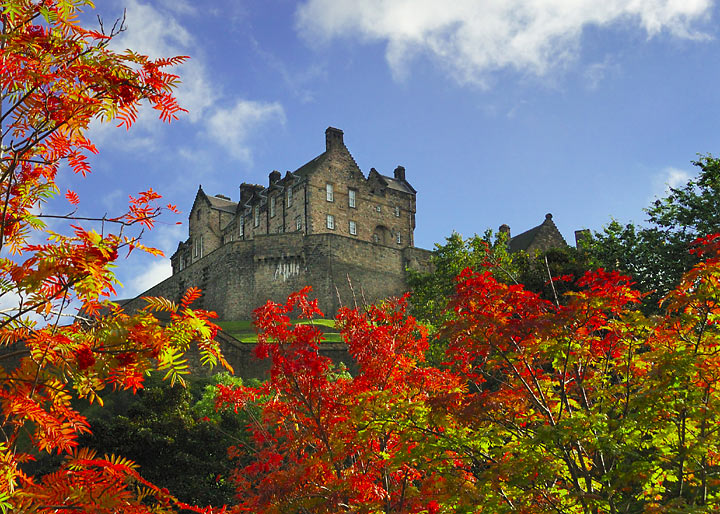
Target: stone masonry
{"x":324,"y":225}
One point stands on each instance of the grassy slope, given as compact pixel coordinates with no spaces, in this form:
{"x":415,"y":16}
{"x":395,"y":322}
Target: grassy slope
{"x":244,"y":330}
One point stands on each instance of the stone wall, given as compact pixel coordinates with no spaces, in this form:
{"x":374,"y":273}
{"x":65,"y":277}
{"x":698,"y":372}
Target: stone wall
{"x":242,"y":275}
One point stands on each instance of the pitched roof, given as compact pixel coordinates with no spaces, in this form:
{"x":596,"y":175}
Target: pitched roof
{"x":222,"y":204}
{"x":310,"y":166}
{"x":543,"y":237}
{"x":398,"y":185}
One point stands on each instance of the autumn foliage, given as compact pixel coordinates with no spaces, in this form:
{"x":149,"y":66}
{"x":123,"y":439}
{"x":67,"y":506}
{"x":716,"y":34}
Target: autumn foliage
{"x":585,"y":407}
{"x":55,"y":78}
{"x":579,"y":406}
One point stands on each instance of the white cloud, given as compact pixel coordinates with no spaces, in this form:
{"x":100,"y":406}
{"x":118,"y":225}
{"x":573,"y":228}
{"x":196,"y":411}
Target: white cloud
{"x":233,"y":127}
{"x":667,"y":178}
{"x":157,"y":271}
{"x":473,"y":39}
{"x":156,"y":34}
{"x":153,"y":29}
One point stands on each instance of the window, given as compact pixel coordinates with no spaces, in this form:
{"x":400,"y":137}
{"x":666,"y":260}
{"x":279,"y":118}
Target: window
{"x":198,"y":247}
{"x":329,"y":193}
{"x":377,"y":208}
{"x":256,"y":215}
{"x":353,"y":228}
{"x":289,"y":196}
{"x":298,"y":223}
{"x":272,"y":206}
{"x":398,"y":238}
{"x":241,"y":228}
{"x":330,"y":221}
{"x":397,"y":211}
{"x":351,"y":198}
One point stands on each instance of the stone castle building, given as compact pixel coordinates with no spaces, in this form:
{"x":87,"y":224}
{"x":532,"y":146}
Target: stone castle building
{"x":328,"y":195}
{"x":326,"y":225}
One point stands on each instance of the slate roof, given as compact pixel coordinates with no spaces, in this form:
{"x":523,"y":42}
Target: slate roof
{"x":522,"y":242}
{"x":310,"y":166}
{"x":543,"y":237}
{"x":221,"y":204}
{"x":398,"y":185}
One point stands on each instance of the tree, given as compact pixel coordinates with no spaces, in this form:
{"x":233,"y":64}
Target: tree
{"x":432,"y":291}
{"x":657,"y":255}
{"x":180,"y":444}
{"x":55,"y":77}
{"x":586,"y":406}
{"x":326,"y":442}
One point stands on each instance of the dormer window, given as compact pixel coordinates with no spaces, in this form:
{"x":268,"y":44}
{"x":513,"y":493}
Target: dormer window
{"x":329,"y":192}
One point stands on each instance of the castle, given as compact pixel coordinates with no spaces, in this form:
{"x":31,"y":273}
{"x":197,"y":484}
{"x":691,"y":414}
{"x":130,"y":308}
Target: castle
{"x":325,"y":225}
{"x":328,"y":195}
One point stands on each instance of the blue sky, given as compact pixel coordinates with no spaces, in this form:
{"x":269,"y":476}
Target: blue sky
{"x":500,"y":110}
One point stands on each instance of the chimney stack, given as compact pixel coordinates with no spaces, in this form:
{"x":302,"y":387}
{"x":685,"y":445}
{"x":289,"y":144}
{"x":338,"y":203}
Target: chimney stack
{"x":333,"y":138}
{"x":247,"y":191}
{"x":400,"y":173}
{"x":582,"y":237}
{"x":274,"y":176}
{"x":505,"y":229}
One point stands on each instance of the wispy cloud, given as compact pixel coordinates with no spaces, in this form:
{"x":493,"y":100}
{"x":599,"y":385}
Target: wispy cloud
{"x":155,"y":29}
{"x":295,"y":79}
{"x":154,"y":272}
{"x":667,"y":178}
{"x":232,"y":127}
{"x":474,"y":39}
{"x":596,"y":72}
{"x":157,"y":33}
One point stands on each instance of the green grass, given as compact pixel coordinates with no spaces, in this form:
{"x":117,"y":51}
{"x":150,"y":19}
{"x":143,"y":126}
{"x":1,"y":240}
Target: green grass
{"x":244,"y":331}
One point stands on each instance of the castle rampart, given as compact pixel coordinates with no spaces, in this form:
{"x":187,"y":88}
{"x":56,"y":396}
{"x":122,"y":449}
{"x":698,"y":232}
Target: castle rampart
{"x":239,"y":276}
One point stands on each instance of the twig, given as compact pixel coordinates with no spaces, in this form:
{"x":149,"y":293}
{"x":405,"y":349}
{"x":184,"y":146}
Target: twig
{"x":552,"y":283}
